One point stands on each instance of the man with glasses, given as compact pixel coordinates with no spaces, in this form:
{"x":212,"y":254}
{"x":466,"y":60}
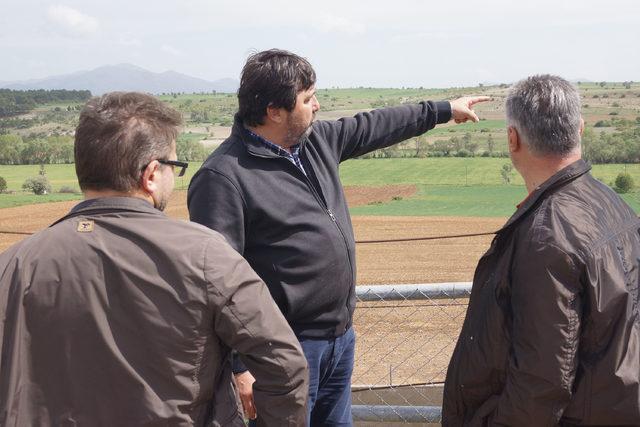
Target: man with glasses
{"x":117,"y":315}
{"x":182,"y":165}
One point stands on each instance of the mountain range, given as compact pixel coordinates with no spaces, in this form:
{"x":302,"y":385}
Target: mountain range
{"x":126,"y":77}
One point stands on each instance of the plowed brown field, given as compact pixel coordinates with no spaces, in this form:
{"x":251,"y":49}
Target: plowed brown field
{"x":403,"y":262}
{"x":399,"y":342}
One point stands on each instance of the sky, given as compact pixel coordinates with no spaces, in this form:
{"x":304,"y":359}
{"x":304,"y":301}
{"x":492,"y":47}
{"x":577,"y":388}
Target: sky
{"x":370,"y":43}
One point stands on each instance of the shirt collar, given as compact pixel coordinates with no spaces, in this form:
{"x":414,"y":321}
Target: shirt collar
{"x":295,"y":149}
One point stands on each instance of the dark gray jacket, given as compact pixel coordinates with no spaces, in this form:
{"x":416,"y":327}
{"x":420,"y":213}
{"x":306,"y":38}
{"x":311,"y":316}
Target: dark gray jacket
{"x":120,"y":316}
{"x":552,"y":333}
{"x":295,"y":230}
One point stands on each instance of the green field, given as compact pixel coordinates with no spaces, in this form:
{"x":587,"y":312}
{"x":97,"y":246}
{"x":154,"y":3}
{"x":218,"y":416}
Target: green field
{"x":446,"y":186}
{"x":450,"y":171}
{"x":455,"y":186}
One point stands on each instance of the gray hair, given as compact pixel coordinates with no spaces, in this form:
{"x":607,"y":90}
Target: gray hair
{"x":545,"y":110}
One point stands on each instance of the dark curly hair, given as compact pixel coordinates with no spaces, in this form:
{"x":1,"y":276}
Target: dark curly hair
{"x":272,"y":78}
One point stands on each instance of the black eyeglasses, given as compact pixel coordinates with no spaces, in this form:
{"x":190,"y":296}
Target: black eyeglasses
{"x":182,"y":165}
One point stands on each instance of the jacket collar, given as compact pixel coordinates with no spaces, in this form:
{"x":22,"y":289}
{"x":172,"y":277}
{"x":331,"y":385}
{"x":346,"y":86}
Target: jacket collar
{"x":114,"y":203}
{"x":109,"y":205}
{"x":562,"y":177}
{"x":249,"y":141}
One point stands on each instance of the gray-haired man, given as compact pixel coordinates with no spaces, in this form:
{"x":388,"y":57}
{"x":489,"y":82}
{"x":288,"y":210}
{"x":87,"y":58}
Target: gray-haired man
{"x":552,"y":334}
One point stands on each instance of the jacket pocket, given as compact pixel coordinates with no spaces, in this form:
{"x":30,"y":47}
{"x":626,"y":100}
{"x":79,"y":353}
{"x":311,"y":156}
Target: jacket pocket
{"x":225,"y":409}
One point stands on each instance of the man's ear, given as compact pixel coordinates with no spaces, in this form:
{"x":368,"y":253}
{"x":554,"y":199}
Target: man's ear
{"x":513,"y":139}
{"x":275,"y":114}
{"x":149,"y":178}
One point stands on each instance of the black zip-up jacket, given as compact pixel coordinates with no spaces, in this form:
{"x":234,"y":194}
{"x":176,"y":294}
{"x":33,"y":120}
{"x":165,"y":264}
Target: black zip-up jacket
{"x":295,"y":230}
{"x":552,"y":333}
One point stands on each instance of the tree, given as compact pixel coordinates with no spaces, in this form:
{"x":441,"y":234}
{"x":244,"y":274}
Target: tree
{"x":623,"y":183}
{"x":491,"y":144}
{"x":39,"y":185}
{"x":190,"y":150}
{"x":506,"y":172}
{"x":420,"y":144}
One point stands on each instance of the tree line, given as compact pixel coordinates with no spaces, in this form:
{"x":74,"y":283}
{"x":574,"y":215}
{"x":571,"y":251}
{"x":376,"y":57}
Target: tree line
{"x":619,"y":143}
{"x":14,"y":102}
{"x":35,"y":150}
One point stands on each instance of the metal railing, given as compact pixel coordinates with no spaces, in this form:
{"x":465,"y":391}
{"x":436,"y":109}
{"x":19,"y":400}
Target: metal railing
{"x":406,"y":334}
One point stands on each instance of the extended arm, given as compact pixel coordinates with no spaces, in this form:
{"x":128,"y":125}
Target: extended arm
{"x":354,"y":136}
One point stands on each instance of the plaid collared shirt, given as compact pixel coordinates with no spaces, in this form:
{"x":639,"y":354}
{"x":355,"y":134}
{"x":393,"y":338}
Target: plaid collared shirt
{"x":293,"y":156}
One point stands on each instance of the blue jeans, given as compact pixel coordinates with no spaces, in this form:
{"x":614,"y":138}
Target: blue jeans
{"x":330,"y":367}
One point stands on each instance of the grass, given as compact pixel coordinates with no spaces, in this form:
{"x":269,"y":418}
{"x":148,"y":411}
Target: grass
{"x":446,"y":186}
{"x":452,"y":200}
{"x":457,"y":200}
{"x":65,"y":175}
{"x":192,"y":136}
{"x":492,"y":125}
{"x":23,"y":198}
{"x":58,"y":175}
{"x":450,"y":171}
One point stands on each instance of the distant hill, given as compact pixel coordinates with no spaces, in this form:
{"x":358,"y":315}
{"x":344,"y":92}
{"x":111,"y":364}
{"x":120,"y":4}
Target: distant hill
{"x":126,"y":77}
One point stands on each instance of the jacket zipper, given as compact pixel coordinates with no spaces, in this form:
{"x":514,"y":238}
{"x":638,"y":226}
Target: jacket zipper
{"x":344,"y":239}
{"x":331,"y":216}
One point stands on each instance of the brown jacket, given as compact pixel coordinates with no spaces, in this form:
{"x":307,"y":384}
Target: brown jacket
{"x":552,"y":333}
{"x":119,"y":316}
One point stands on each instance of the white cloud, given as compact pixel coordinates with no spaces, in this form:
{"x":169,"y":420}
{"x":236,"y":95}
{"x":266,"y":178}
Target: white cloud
{"x":72,"y":21}
{"x":128,"y":40}
{"x":338,"y":24}
{"x":171,"y":50}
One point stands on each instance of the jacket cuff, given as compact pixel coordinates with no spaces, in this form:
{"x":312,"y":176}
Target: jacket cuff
{"x":237,"y":367}
{"x":443,"y":112}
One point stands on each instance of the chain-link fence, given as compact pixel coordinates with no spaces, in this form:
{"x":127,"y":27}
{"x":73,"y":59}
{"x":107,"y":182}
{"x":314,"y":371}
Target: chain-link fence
{"x":406,"y":334}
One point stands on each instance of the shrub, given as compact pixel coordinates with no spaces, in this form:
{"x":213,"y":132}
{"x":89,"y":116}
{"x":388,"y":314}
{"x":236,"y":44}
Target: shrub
{"x":39,"y":185}
{"x":623,"y":183}
{"x":506,"y":172}
{"x":3,"y":185}
{"x":65,"y":189}
{"x":602,"y":124}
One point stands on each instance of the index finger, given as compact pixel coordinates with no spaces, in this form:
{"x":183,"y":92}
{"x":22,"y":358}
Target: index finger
{"x":476,"y":99}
